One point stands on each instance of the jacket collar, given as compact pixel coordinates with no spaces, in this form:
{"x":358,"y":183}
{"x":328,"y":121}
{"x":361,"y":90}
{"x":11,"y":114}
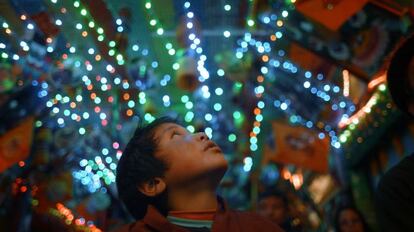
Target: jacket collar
{"x":156,"y":220}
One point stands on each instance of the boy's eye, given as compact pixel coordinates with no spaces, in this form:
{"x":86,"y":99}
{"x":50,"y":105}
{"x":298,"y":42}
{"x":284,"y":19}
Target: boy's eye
{"x":175,"y":133}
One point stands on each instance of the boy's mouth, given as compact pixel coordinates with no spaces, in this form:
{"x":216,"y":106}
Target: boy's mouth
{"x":211,"y":145}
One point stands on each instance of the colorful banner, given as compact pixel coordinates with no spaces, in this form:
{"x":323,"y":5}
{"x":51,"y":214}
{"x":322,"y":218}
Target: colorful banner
{"x":299,"y":146}
{"x":332,"y":14}
{"x":308,"y":60}
{"x":15,"y":144}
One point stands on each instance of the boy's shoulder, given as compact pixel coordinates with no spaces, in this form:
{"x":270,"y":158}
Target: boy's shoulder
{"x":135,"y":226}
{"x":250,"y":221}
{"x":141,"y":226}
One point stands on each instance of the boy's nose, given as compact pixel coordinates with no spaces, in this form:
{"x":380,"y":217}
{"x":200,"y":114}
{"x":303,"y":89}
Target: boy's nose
{"x":201,"y":136}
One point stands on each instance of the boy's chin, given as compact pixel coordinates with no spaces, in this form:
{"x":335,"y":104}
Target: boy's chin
{"x":225,"y":166}
{"x":222,"y":165}
{"x":221,"y":170}
{"x":217,"y":172}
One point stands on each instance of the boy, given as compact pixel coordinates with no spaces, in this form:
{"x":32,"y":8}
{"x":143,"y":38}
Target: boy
{"x":273,"y":205}
{"x":167,"y":178}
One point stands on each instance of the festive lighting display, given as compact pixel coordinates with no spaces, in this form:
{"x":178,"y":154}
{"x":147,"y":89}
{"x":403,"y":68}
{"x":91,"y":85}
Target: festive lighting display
{"x":278,"y":63}
{"x":93,"y":88}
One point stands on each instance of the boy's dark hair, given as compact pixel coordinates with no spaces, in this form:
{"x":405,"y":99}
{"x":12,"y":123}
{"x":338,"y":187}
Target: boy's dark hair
{"x":137,"y":165}
{"x":349,"y":207}
{"x":274,"y":193}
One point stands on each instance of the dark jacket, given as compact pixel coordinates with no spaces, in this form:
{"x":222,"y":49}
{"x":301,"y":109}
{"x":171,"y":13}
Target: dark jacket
{"x":225,"y":220}
{"x":395,"y":197}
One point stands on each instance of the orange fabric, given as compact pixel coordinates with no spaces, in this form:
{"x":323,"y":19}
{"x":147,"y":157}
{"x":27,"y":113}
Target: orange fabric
{"x":194,"y":215}
{"x":15,"y":144}
{"x":299,"y":146}
{"x":310,"y":61}
{"x":305,"y":58}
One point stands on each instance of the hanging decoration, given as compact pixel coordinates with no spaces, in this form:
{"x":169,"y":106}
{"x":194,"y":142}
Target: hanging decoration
{"x":186,"y":74}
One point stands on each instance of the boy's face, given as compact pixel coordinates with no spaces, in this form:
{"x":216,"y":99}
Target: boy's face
{"x":273,"y":208}
{"x":349,"y":221}
{"x":188,"y":156}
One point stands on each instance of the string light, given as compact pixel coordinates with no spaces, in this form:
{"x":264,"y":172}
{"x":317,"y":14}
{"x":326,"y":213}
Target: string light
{"x":65,"y":213}
{"x":345,"y":75}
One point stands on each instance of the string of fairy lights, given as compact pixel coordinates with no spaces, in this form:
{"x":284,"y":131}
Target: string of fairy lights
{"x":196,"y":51}
{"x":94,"y":170}
{"x":272,"y":19}
{"x":259,"y":90}
{"x":63,"y":99}
{"x":155,"y":23}
{"x":350,"y":124}
{"x":195,"y":45}
{"x":264,"y":49}
{"x":171,"y":49}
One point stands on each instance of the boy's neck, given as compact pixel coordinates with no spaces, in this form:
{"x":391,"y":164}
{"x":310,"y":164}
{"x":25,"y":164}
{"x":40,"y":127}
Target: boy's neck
{"x":192,"y":200}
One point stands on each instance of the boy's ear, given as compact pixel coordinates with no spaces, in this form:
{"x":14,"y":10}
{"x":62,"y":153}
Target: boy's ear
{"x":152,"y":187}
